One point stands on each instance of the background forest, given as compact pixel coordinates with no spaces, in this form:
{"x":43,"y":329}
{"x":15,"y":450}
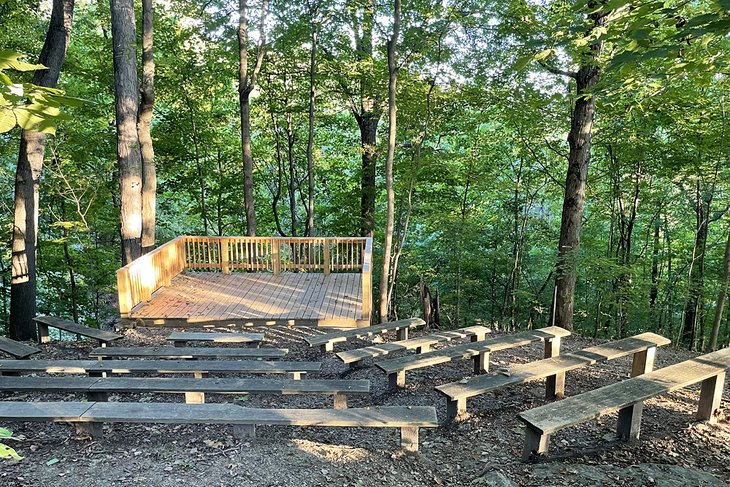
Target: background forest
{"x":485,"y":101}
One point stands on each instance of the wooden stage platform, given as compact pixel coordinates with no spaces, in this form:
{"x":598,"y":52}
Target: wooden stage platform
{"x":255,"y":298}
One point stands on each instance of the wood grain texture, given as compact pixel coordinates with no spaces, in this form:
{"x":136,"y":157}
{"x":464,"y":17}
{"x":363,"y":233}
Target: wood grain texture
{"x":71,"y":327}
{"x":343,"y":336}
{"x":188,"y":352}
{"x":180,"y":336}
{"x":16,"y":349}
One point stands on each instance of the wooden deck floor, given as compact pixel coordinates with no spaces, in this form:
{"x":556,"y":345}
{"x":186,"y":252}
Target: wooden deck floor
{"x":197,"y":298}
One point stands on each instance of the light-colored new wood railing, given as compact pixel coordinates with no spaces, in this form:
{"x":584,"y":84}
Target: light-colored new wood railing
{"x":138,"y":280}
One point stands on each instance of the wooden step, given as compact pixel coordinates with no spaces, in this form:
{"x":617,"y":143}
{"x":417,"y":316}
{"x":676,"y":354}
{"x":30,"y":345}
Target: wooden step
{"x":188,"y":352}
{"x":17,"y":349}
{"x":43,"y":322}
{"x":328,"y":340}
{"x":180,"y":338}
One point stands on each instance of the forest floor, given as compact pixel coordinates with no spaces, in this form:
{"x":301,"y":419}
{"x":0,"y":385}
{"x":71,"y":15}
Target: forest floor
{"x":482,"y":449}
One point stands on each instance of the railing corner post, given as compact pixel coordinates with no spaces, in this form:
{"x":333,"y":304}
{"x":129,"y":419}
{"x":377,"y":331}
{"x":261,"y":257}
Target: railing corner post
{"x":326,"y":256}
{"x":275,"y":257}
{"x":224,"y":256}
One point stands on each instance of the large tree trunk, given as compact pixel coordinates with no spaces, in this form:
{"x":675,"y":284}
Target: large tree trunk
{"x":30,"y":164}
{"x":392,"y":133}
{"x":721,"y":296}
{"x":149,"y":173}
{"x":579,"y":140}
{"x":129,"y":158}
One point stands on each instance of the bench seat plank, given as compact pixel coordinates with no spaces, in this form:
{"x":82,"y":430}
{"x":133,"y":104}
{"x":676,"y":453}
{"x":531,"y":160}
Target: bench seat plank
{"x":43,"y":411}
{"x":17,"y":349}
{"x":327,"y":340}
{"x":180,"y":336}
{"x":419,"y":343}
{"x":188,"y":352}
{"x":72,"y":327}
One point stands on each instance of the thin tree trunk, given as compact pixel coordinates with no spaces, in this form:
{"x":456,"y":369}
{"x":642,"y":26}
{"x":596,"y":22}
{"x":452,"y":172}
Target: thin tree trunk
{"x":291,"y":186}
{"x":144,"y":123}
{"x":309,"y":228}
{"x":392,"y":114}
{"x":721,"y":296}
{"x":23,"y":280}
{"x":654,"y":290}
{"x":129,"y":159}
{"x":71,"y":273}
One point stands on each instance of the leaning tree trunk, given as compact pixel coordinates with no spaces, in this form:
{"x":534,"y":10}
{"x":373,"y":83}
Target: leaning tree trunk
{"x":579,"y":140}
{"x":144,"y":123}
{"x":129,"y":158}
{"x":721,"y":296}
{"x":30,"y":164}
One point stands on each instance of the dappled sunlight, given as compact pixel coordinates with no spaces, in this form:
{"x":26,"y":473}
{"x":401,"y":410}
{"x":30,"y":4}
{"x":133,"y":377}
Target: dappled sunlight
{"x":333,"y":453}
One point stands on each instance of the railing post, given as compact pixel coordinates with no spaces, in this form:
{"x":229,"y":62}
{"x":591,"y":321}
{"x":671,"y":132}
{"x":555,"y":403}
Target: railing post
{"x":275,"y":257}
{"x":224,"y":255}
{"x":124,"y":290}
{"x":367,"y":280}
{"x":326,"y":256}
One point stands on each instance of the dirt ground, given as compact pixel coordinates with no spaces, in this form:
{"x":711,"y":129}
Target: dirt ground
{"x":482,"y":449}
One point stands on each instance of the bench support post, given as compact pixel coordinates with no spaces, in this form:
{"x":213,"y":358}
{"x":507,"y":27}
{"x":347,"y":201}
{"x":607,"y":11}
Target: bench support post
{"x":629,"y":422}
{"x":402,"y":334}
{"x":94,"y":430}
{"x":327,"y":347}
{"x":409,"y":438}
{"x":535,"y":443}
{"x":244,"y":430}
{"x":295,"y":375}
{"x":194,"y":398}
{"x":552,"y":347}
{"x":423,"y":349}
{"x":340,"y":401}
{"x":43,"y":333}
{"x":555,"y":386}
{"x":455,"y":407}
{"x":643,"y":361}
{"x":478,"y":337}
{"x":178,"y":343}
{"x":710,"y":397}
{"x":397,"y":380}
{"x":98,"y":396}
{"x":481,"y":363}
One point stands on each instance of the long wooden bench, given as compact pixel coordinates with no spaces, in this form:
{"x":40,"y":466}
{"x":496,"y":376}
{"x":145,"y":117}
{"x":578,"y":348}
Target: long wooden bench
{"x":196,"y":367}
{"x":627,"y":397}
{"x":194,"y":389}
{"x":17,"y":349}
{"x":419,"y":344}
{"x":478,"y":351}
{"x":90,"y":416}
{"x":44,"y":322}
{"x":643,"y":347}
{"x":328,"y":340}
{"x":189,"y":352}
{"x":180,"y":338}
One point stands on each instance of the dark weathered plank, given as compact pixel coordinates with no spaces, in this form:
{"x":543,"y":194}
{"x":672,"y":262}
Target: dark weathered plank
{"x":43,"y":411}
{"x":16,"y":349}
{"x":188,"y":352}
{"x":180,"y":336}
{"x":47,"y":384}
{"x":71,"y":327}
{"x":343,"y":336}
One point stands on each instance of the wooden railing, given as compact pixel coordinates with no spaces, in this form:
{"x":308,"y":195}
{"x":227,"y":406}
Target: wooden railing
{"x":138,"y":280}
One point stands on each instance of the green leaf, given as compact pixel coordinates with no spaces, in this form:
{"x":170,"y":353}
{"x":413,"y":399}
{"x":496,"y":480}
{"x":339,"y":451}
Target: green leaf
{"x":8,"y":452}
{"x":52,"y":461}
{"x":5,"y":433}
{"x":7,"y":120}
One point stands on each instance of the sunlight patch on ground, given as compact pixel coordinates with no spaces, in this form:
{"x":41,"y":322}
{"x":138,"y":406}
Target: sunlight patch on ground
{"x":331,"y":453}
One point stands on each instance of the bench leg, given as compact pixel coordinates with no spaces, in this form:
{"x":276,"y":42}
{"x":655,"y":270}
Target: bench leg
{"x":95,"y":373}
{"x":10,"y":373}
{"x":98,"y":396}
{"x":295,"y":375}
{"x":244,"y":430}
{"x":397,"y":380}
{"x":478,"y":337}
{"x":178,"y":343}
{"x":340,"y":401}
{"x":43,"y":333}
{"x":629,"y":422}
{"x":555,"y":386}
{"x":643,"y":361}
{"x":94,"y":430}
{"x":710,"y":397}
{"x":327,"y":347}
{"x":402,"y":334}
{"x":481,"y":363}
{"x":356,"y":364}
{"x":552,"y":347}
{"x":194,"y":398}
{"x":455,"y":407}
{"x":200,"y":375}
{"x":409,"y":438}
{"x":423,"y":349}
{"x":536,"y":443}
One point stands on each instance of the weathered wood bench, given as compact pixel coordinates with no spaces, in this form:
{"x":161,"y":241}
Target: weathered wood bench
{"x":627,"y":397}
{"x":194,"y":389}
{"x":90,"y":416}
{"x":188,"y":352}
{"x":478,"y":351}
{"x":643,"y":347}
{"x":17,"y":349}
{"x":196,"y":367}
{"x":328,"y":340}
{"x":180,"y":338}
{"x":419,"y":344}
{"x":43,"y":322}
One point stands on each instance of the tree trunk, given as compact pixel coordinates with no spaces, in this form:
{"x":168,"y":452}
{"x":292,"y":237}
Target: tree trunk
{"x":146,"y":108}
{"x":392,"y":133}
{"x":579,"y":140}
{"x":693,"y":305}
{"x":721,"y":296}
{"x":654,"y":290}
{"x":309,"y":228}
{"x":30,"y":164}
{"x":291,"y":186}
{"x":129,"y":159}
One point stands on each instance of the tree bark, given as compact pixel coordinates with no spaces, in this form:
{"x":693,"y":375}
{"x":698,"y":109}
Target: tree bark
{"x":579,"y":140}
{"x":309,"y":228}
{"x":30,"y":164}
{"x":144,"y":123}
{"x":392,"y":133}
{"x":129,"y":158}
{"x":717,"y":320}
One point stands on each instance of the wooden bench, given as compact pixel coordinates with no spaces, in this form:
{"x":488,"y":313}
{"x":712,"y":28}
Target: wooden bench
{"x":328,"y":340}
{"x":194,"y":389}
{"x":478,"y":351}
{"x":627,"y":397}
{"x":419,"y":344}
{"x":43,"y":322}
{"x":196,"y":367}
{"x":17,"y":349}
{"x":189,"y":352}
{"x":643,"y":347}
{"x":90,"y":416}
{"x":180,"y":338}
